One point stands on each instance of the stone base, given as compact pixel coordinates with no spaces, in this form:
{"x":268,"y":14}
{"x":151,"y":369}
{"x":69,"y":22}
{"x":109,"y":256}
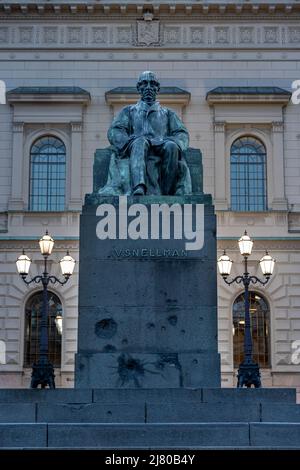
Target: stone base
{"x":148,"y":306}
{"x":147,"y":370}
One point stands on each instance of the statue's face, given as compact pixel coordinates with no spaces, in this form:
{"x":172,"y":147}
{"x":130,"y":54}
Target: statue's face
{"x":148,"y":88}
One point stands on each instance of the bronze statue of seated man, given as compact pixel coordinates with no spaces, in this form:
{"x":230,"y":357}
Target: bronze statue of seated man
{"x":154,"y":140}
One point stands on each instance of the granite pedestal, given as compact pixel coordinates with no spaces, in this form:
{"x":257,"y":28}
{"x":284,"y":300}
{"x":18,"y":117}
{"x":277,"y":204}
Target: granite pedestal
{"x":147,"y":303}
{"x":147,"y":308}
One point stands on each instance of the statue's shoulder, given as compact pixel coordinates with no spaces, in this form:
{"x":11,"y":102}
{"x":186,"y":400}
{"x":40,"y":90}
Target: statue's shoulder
{"x":129,"y":109}
{"x":126,"y":109}
{"x":166,"y":110}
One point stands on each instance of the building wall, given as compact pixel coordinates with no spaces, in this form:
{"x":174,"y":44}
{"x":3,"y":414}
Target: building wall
{"x":196,"y":50}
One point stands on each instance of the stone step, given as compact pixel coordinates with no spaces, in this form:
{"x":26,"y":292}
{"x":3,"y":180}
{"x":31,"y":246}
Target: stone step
{"x":147,"y":412}
{"x":280,"y":412}
{"x":60,"y":395}
{"x":248,"y":395}
{"x":151,"y":436}
{"x":168,"y":395}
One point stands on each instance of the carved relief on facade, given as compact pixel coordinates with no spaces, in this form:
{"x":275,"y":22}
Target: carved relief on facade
{"x":99,"y":35}
{"x":197,"y":35}
{"x":124,"y":35}
{"x":26,"y":35}
{"x":172,"y":35}
{"x":294,"y":34}
{"x":246,"y":35}
{"x":222,"y":35}
{"x":3,"y":35}
{"x":271,"y":34}
{"x":50,"y":35}
{"x":75,"y":35}
{"x":148,"y":33}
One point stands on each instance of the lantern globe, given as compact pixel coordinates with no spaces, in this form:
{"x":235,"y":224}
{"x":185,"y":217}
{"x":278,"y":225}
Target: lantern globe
{"x":267,"y":264}
{"x":23,"y":264}
{"x":46,"y":244}
{"x":67,"y":265}
{"x":245,"y":245}
{"x":224,"y":265}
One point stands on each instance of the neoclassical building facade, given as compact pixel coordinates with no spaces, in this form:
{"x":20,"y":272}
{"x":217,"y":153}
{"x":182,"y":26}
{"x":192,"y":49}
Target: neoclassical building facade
{"x":227,"y":69}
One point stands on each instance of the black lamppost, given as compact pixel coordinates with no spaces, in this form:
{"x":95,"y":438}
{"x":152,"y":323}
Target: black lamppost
{"x":248,"y":373}
{"x":43,"y":371}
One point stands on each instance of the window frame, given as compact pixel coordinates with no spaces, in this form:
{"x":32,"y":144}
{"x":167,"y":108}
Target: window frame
{"x":27,"y":300}
{"x":263,"y":136}
{"x":31,"y":163}
{"x":265,"y":176}
{"x":30,"y":141}
{"x":268,"y":323}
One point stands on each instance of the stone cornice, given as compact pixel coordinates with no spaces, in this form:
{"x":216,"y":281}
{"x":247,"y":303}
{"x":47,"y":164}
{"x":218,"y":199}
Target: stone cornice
{"x":130,"y":95}
{"x":31,"y":245}
{"x":282,"y":97}
{"x":92,"y":9}
{"x":48,"y":95}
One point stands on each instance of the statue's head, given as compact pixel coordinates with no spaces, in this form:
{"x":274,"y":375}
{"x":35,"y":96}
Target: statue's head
{"x":148,"y":86}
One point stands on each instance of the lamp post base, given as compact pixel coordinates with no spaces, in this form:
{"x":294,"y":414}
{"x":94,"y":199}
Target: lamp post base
{"x":43,"y":375}
{"x":248,"y":375}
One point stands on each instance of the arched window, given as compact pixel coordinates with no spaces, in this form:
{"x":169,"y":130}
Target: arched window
{"x":248,"y":175}
{"x":47,"y":175}
{"x":33,"y":311}
{"x":260,"y":329}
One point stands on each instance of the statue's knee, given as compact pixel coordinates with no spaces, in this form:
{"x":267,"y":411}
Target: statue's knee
{"x":170,"y":146}
{"x":141,"y":141}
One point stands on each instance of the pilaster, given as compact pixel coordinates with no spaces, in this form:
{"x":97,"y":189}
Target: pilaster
{"x":16,"y":198}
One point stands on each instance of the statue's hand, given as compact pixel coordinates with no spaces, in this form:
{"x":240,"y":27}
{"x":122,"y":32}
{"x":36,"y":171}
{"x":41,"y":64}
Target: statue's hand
{"x":156,"y":142}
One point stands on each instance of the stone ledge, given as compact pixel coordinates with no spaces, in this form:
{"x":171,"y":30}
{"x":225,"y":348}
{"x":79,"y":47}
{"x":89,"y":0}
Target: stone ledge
{"x":147,"y":436}
{"x":129,"y":95}
{"x":67,"y":395}
{"x":248,"y":95}
{"x":48,"y":94}
{"x":151,"y":395}
{"x":23,"y":436}
{"x":275,"y":434}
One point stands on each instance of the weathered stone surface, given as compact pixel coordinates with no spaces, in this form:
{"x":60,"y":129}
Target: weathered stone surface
{"x":61,"y":395}
{"x":148,"y":436}
{"x":17,"y":412}
{"x":184,"y":412}
{"x":150,"y":395}
{"x":136,"y":370}
{"x":91,"y":413}
{"x":147,"y":309}
{"x":137,"y":329}
{"x":122,"y":370}
{"x":249,"y":395}
{"x":23,"y":435}
{"x":275,"y":435}
{"x":150,"y":418}
{"x":280,"y":412}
